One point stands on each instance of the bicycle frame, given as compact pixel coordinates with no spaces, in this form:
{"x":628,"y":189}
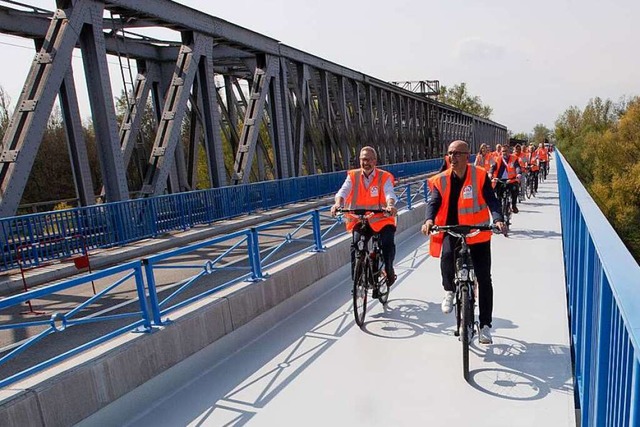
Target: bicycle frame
{"x":368,"y":265}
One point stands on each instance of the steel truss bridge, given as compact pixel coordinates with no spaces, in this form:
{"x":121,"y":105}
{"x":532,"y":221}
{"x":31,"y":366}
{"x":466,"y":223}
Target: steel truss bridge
{"x":217,"y":87}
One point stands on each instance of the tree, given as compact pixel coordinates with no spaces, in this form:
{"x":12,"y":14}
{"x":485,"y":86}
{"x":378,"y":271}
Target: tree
{"x":602,"y":143}
{"x":541,"y":133}
{"x":458,"y":96}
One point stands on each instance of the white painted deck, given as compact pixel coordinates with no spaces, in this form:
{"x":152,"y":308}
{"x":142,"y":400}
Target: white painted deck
{"x":317,"y":368}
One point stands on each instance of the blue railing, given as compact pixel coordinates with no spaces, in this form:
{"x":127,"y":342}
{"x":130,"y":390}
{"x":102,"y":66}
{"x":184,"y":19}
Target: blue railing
{"x":603,"y":281}
{"x":243,"y":255}
{"x":31,"y":240}
{"x":58,"y":323}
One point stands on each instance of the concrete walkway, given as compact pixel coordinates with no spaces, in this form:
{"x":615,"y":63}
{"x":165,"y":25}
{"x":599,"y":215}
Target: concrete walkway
{"x":317,"y":368}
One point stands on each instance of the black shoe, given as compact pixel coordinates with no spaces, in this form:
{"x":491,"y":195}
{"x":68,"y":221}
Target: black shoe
{"x":391,"y":277}
{"x":515,"y":209}
{"x":375,"y":293}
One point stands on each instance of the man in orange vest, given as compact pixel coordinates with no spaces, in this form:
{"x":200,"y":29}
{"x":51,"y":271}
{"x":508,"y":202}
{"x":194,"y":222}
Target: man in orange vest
{"x":507,"y":168}
{"x":463,"y":195}
{"x":371,"y":188}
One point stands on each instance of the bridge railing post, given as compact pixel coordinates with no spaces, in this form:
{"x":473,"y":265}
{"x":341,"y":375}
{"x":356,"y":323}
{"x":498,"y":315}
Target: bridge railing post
{"x":317,"y":231}
{"x":153,"y":293}
{"x":254,"y":254}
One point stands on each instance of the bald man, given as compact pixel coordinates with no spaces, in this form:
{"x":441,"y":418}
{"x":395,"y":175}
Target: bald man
{"x":449,"y":190}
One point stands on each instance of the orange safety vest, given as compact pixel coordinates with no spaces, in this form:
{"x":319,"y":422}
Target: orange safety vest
{"x":535,"y":164}
{"x":524,"y":159}
{"x":472,"y":208}
{"x":511,"y":168}
{"x":485,"y":161}
{"x":542,"y":154}
{"x":368,"y":198}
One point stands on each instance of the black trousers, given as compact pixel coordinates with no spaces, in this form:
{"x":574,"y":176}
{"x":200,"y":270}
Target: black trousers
{"x":534,"y":176}
{"x":387,"y":244}
{"x":481,"y":258}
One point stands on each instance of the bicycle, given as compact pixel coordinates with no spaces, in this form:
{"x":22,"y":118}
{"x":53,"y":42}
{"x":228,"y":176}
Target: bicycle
{"x":466,"y":325}
{"x":502,"y":192}
{"x":368,"y":272}
{"x":544,"y":171}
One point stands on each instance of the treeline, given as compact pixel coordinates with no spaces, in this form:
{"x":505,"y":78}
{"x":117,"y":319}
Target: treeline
{"x":602,"y":144}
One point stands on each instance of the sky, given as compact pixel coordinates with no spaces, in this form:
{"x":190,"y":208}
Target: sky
{"x":529,"y":61}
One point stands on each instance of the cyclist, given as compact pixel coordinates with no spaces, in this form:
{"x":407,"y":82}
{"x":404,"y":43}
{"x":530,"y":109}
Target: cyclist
{"x":463,"y":195}
{"x":543,"y":157}
{"x":371,"y":188}
{"x":523,"y":156}
{"x":507,"y":168}
{"x":535,"y":167}
{"x":483,"y":158}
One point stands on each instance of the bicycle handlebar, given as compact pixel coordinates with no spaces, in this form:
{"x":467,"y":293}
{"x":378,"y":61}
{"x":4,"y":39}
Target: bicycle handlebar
{"x":362,"y":212}
{"x":463,"y":230}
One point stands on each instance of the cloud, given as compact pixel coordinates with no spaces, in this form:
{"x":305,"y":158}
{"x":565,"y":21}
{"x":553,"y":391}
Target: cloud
{"x":477,"y":49}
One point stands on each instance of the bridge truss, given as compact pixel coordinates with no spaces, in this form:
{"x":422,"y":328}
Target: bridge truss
{"x":279,"y":111}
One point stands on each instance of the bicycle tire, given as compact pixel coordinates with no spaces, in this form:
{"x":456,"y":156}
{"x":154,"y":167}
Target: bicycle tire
{"x":458,"y":316}
{"x":464,"y":330}
{"x":506,"y":211}
{"x":528,"y":188}
{"x":360,"y":292}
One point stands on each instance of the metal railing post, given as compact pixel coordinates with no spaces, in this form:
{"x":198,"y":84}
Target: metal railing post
{"x":146,"y":318}
{"x":153,"y":293}
{"x":254,"y":255}
{"x":317,"y":231}
{"x":409,"y":197}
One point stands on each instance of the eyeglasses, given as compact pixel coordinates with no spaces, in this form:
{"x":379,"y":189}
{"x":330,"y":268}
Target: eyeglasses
{"x":457,"y":153}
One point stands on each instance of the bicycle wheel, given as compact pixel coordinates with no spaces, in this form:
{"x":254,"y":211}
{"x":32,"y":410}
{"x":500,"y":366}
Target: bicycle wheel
{"x":360,"y":292}
{"x":528,"y":187}
{"x":465,"y":319}
{"x":506,"y":209}
{"x":458,"y":309}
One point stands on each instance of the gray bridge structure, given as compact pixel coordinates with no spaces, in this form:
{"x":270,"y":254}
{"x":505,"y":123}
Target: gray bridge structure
{"x":211,"y":86}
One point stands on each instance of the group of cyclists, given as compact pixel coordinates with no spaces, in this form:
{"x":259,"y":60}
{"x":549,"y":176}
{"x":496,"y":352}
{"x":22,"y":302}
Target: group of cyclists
{"x":461,"y":193}
{"x":513,"y":170}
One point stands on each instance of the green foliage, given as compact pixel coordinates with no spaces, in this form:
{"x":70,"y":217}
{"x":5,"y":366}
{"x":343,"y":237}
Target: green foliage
{"x":602,"y":144}
{"x":521,"y":135}
{"x":458,"y":96}
{"x":541,"y":133}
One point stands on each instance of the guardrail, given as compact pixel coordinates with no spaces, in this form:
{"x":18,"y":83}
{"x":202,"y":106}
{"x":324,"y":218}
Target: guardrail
{"x":243,"y":255}
{"x":58,"y":323}
{"x":113,"y":224}
{"x":603,"y":281}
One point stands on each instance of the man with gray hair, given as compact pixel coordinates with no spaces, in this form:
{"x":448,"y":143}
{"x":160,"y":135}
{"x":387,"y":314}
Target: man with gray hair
{"x":371,"y":188}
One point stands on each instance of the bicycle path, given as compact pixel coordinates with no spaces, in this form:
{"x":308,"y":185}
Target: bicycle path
{"x":404,"y":368}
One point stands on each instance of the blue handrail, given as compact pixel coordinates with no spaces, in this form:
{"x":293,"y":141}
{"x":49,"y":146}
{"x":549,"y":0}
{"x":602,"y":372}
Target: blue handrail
{"x":59,"y":322}
{"x":33,"y":239}
{"x":603,"y":281}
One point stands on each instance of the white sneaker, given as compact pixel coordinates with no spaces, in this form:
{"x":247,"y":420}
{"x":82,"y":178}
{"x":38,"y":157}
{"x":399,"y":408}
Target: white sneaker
{"x":447,"y":302}
{"x":485,"y":335}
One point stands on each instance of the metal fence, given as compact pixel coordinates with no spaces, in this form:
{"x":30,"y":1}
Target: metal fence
{"x":34,"y":239}
{"x":209,"y":266}
{"x":603,"y":281}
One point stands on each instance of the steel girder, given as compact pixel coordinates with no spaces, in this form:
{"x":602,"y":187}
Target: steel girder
{"x":48,"y":70}
{"x":317,"y":114}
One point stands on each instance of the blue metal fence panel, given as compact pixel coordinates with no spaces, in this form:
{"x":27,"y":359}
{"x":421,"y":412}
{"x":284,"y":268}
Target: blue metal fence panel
{"x":602,"y":286}
{"x":37,"y":238}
